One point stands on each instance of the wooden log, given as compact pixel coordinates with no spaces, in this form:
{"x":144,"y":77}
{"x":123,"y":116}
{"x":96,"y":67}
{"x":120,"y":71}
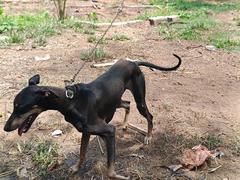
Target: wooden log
{"x":159,"y":19}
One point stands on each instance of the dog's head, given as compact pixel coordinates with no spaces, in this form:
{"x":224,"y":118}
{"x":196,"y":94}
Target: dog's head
{"x":26,"y":107}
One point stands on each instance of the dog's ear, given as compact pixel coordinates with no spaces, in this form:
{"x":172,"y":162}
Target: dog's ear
{"x":34,"y":80}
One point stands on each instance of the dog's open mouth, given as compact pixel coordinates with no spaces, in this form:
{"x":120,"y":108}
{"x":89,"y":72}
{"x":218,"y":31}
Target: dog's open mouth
{"x":24,"y":127}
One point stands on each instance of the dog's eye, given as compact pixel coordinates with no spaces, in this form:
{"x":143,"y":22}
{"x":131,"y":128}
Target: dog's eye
{"x":16,"y":105}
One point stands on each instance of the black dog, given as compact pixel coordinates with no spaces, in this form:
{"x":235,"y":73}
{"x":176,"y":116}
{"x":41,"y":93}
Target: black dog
{"x":89,"y":107}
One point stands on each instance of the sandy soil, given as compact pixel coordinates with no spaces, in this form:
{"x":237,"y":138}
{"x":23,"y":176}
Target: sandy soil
{"x":200,"y":99}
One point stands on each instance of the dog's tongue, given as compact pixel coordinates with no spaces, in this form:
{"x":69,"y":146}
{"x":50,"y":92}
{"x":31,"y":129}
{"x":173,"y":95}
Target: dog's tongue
{"x":20,"y":131}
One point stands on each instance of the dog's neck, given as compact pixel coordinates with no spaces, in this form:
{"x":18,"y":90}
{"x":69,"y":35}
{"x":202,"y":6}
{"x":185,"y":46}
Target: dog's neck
{"x":56,"y":101}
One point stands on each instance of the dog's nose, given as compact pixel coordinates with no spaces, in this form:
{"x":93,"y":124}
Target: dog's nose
{"x":7,"y":128}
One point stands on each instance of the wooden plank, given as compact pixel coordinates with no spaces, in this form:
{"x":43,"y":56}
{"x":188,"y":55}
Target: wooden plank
{"x":159,"y":19}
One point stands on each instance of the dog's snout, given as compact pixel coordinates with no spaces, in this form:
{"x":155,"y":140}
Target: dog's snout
{"x":7,"y":128}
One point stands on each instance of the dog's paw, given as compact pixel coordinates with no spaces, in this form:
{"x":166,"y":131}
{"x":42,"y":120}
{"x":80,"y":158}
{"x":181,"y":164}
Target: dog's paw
{"x":147,"y":140}
{"x":74,"y":169}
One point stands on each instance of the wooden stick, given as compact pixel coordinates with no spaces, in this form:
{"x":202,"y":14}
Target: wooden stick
{"x":100,"y":145}
{"x":138,"y":129}
{"x":114,"y":24}
{"x":111,"y":63}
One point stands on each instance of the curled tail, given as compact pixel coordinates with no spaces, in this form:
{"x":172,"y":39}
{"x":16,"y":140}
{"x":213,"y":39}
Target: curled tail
{"x":150,"y":65}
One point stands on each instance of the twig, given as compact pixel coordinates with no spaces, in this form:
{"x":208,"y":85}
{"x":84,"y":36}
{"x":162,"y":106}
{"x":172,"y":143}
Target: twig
{"x":100,"y":145}
{"x":4,"y":174}
{"x":135,"y":128}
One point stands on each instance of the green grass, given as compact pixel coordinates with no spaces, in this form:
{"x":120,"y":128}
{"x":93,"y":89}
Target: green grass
{"x":119,"y":37}
{"x":195,"y":22}
{"x":212,"y":141}
{"x":43,"y":156}
{"x":197,"y":5}
{"x":90,"y":55}
{"x":21,"y":28}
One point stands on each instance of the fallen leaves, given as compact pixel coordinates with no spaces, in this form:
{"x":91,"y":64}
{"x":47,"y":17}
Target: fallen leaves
{"x":196,"y":156}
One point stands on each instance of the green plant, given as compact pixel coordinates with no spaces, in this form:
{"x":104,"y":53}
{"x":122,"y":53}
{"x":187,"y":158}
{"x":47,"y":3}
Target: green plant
{"x":223,"y":41}
{"x":44,"y":155}
{"x":212,"y":141}
{"x":236,"y":146}
{"x":21,"y":28}
{"x":120,"y":37}
{"x":92,"y":16}
{"x":16,"y":38}
{"x":96,"y":54}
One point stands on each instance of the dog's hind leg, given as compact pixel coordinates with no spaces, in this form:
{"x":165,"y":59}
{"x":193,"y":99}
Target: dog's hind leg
{"x":84,"y":144}
{"x":139,"y":90}
{"x":126,"y":106}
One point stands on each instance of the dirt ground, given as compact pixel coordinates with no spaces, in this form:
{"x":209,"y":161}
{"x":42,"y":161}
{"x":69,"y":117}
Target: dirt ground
{"x":200,"y":99}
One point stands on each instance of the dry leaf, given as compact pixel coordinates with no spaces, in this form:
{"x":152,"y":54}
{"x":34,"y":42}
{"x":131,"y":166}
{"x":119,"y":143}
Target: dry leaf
{"x":196,"y":156}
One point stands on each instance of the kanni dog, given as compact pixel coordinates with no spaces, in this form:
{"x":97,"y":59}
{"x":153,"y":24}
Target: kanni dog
{"x":89,"y":108}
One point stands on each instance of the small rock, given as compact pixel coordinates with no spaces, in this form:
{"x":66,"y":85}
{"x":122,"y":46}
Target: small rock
{"x":57,"y":133}
{"x":211,"y":48}
{"x":42,"y":58}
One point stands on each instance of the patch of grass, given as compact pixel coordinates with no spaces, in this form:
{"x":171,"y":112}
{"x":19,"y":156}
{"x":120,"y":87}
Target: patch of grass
{"x":189,"y":29}
{"x":94,"y":39}
{"x":119,"y":37}
{"x":212,"y":141}
{"x":73,"y":24}
{"x":41,"y":41}
{"x":195,"y":22}
{"x":44,"y":155}
{"x":92,"y":16}
{"x":21,"y":28}
{"x":236,"y":146}
{"x":97,"y":54}
{"x":197,"y":5}
{"x":223,"y":41}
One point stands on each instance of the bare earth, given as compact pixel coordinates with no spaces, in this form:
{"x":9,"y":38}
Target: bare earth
{"x":202,"y":98}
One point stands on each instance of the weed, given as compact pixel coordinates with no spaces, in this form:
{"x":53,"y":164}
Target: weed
{"x":41,"y":41}
{"x":73,"y":24}
{"x":94,"y":39}
{"x":236,"y":146}
{"x":120,"y":37}
{"x":92,"y":16}
{"x":212,"y":141}
{"x":21,"y":28}
{"x":16,"y":38}
{"x":44,"y":155}
{"x":97,"y":54}
{"x":223,"y":41}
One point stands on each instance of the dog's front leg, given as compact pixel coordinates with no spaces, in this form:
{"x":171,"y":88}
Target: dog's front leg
{"x":84,"y":144}
{"x":109,"y":138}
